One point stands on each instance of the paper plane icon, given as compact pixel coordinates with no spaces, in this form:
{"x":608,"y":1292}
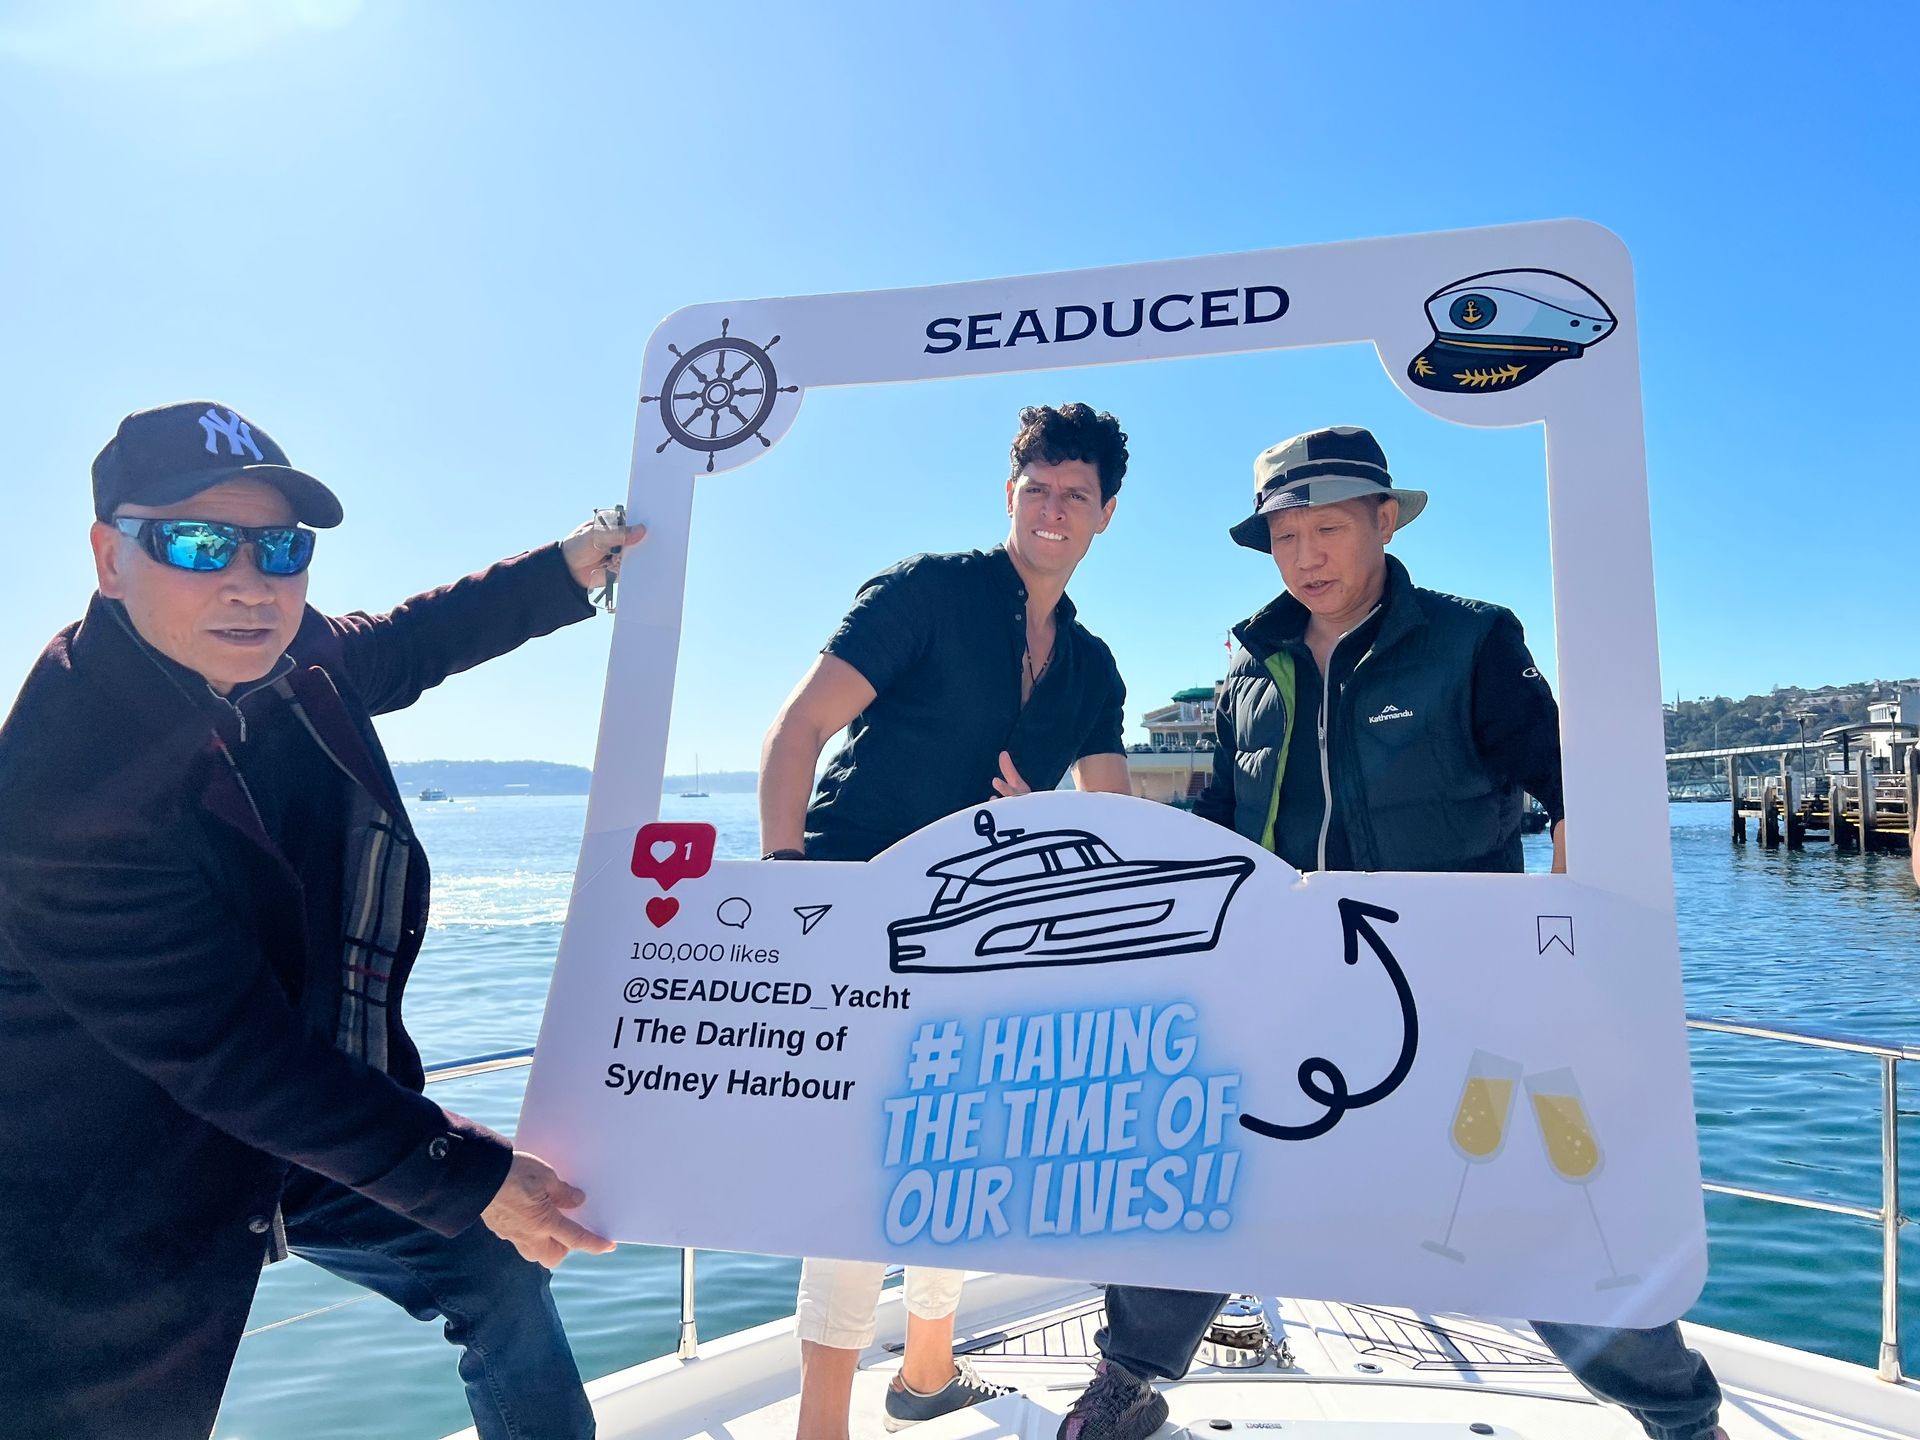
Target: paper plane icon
{"x":1554,"y":930}
{"x":810,"y":916}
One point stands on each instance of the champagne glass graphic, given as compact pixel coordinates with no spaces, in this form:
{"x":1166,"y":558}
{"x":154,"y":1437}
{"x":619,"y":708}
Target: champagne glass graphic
{"x":1572,"y":1150}
{"x":1479,"y":1128}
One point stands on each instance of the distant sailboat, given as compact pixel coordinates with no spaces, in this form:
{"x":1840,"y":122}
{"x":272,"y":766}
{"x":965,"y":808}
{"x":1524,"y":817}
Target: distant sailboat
{"x":696,"y":793}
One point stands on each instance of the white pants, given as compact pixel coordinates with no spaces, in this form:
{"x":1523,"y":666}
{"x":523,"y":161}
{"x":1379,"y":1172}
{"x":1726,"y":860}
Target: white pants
{"x":838,"y":1299}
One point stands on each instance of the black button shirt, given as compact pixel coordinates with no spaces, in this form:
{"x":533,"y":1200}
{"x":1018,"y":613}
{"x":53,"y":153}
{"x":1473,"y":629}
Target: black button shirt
{"x":942,"y":640}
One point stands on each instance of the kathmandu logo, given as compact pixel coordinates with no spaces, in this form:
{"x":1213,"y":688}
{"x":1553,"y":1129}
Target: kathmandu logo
{"x":1389,"y":711}
{"x":239,"y":434}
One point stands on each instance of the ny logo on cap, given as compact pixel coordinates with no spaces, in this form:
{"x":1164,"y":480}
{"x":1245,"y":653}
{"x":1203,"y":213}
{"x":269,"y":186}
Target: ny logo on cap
{"x":239,"y":434}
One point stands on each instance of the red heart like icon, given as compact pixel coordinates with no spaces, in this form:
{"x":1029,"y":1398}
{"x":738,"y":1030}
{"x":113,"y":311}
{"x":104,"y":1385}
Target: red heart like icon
{"x":661,"y":909}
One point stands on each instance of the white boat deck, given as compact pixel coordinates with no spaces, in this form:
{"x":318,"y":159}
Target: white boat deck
{"x":1357,"y":1373}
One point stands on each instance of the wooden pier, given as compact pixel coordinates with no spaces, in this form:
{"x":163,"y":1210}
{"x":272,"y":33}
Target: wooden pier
{"x":1862,"y":809}
{"x":1855,"y":786}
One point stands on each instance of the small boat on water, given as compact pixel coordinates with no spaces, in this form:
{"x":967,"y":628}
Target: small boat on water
{"x":1062,"y":897}
{"x":434,"y":792}
{"x":696,"y":793}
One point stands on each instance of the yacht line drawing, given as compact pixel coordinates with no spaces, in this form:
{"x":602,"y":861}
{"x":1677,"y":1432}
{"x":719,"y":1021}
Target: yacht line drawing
{"x":1062,"y":897}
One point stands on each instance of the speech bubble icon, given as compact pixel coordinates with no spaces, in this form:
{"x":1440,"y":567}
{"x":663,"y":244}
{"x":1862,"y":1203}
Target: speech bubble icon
{"x":669,"y":851}
{"x":735,"y":912}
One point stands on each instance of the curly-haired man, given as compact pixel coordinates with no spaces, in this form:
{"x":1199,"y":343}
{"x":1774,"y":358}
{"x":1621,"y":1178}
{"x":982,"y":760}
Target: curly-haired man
{"x":957,"y":677}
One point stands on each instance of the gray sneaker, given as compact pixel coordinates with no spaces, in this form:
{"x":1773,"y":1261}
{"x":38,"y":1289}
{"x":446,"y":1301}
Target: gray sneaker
{"x":1118,"y":1405}
{"x":909,"y":1407}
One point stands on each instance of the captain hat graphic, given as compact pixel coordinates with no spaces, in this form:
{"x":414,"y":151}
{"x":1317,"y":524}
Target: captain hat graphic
{"x":1497,"y":330}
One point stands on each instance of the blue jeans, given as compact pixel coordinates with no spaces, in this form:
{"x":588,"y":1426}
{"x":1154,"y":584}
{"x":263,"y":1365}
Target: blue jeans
{"x":1651,"y":1374}
{"x":514,"y":1357}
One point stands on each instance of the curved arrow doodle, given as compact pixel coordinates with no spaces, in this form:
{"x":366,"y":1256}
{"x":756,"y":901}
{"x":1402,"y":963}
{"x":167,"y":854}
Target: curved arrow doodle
{"x":1321,"y":1079}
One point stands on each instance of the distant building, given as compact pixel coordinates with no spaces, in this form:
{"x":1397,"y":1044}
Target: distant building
{"x":1891,"y":730}
{"x":1175,"y":764}
{"x":1901,"y":717}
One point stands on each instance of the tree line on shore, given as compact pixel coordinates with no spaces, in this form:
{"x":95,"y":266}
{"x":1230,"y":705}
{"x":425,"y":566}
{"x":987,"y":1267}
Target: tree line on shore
{"x":539,"y":777}
{"x":1774,"y":718}
{"x":1709,"y":723}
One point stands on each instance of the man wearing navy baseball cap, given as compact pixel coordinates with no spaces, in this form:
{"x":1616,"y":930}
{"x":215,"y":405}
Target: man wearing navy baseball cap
{"x":210,"y":900}
{"x":1416,"y":759}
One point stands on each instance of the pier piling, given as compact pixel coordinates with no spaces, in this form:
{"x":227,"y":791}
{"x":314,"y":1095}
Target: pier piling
{"x":1864,"y":796}
{"x":1913,"y":798}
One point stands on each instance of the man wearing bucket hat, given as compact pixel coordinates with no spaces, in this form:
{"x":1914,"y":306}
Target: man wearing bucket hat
{"x":210,"y":900}
{"x":1455,"y":673}
{"x":1368,"y":724}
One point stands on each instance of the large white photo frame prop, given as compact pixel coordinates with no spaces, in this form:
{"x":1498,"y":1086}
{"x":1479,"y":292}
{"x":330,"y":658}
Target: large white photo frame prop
{"x":1451,"y":1091}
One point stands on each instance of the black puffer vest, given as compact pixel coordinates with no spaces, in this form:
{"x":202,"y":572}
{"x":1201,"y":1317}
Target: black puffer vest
{"x":1412,"y":791}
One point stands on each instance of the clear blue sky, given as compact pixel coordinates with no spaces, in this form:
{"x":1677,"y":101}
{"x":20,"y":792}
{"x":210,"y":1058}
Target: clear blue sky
{"x":424,"y":244}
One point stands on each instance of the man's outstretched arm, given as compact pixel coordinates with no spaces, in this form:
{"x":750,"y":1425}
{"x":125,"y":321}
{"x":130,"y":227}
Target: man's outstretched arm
{"x":390,"y":659}
{"x":822,"y":705}
{"x":887,"y":631}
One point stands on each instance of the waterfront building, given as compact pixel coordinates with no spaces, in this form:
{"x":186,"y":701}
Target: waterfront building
{"x":1174,"y":765}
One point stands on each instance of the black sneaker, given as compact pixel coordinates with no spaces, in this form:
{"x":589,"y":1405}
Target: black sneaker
{"x":909,"y":1407}
{"x":1118,"y":1405}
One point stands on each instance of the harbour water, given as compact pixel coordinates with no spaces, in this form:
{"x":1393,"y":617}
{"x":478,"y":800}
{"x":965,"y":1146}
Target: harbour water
{"x":1804,"y":939}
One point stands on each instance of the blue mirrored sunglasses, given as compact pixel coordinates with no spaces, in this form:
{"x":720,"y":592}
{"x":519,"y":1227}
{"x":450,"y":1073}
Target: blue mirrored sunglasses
{"x":212,"y":544}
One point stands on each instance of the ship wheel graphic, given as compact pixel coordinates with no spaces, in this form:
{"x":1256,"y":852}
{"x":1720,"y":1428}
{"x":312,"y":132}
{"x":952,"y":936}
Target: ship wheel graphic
{"x":718,"y":394}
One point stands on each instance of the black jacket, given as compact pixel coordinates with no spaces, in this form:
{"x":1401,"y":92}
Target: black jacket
{"x":156,"y":1075}
{"x":1430,"y":742}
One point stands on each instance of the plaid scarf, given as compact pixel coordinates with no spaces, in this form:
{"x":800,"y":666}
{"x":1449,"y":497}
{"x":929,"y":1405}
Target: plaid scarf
{"x":373,"y":897}
{"x":374,"y":894}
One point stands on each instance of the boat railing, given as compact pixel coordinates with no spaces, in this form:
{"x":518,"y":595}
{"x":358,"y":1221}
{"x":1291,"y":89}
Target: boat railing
{"x":1887,"y":1215}
{"x":689,"y":1346}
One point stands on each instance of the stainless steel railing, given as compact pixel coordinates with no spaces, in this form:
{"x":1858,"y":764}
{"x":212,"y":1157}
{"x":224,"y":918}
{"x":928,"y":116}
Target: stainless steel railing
{"x":480,"y":1065}
{"x":689,"y":1346}
{"x":1887,"y":1216}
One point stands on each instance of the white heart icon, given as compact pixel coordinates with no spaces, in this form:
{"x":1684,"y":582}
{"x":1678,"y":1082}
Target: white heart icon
{"x":661,"y":850}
